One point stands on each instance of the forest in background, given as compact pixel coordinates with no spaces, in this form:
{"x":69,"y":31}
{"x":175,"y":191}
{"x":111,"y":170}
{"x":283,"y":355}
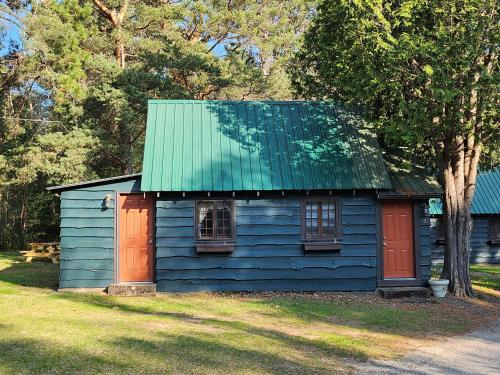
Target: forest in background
{"x":75,"y":81}
{"x":74,"y":87}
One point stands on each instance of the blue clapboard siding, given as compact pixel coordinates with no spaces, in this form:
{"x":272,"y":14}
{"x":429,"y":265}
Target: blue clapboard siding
{"x":425,"y":245}
{"x":87,"y":235}
{"x":481,"y":249}
{"x":268,"y":254}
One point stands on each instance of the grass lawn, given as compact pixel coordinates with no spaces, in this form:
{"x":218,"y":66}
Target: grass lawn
{"x":43,"y":331}
{"x":486,"y":277}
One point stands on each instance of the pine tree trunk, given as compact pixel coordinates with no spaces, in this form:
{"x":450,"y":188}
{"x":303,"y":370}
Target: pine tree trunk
{"x":457,"y":233}
{"x":459,"y":176}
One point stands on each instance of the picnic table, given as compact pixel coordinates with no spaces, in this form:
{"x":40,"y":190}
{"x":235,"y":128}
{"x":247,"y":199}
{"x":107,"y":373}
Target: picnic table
{"x":42,"y":250}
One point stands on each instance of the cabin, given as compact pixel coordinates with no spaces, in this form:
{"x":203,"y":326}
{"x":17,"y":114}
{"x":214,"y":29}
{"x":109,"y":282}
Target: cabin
{"x":251,"y":196}
{"x":485,"y":236}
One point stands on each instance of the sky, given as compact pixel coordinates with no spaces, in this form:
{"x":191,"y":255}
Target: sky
{"x":12,"y":32}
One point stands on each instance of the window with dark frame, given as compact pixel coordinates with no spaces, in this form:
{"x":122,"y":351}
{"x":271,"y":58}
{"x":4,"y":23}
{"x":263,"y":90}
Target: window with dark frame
{"x":495,"y":231}
{"x":215,"y":220}
{"x":320,"y":220}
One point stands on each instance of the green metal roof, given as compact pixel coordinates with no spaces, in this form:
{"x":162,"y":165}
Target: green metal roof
{"x":259,"y":145}
{"x":410,"y":179}
{"x":486,"y":197}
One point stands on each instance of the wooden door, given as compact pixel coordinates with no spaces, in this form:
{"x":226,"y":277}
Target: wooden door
{"x":136,"y":238}
{"x":399,"y":257}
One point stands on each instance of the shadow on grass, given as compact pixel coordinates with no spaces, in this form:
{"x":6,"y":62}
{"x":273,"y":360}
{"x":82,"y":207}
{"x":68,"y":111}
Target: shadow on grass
{"x":36,"y":274}
{"x":239,"y":327}
{"x":230,"y":349}
{"x":30,"y":356}
{"x":203,"y":353}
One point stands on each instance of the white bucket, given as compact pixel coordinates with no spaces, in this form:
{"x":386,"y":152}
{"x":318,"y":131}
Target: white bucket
{"x":439,"y":287}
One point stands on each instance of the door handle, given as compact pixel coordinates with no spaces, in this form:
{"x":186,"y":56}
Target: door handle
{"x":150,"y":241}
{"x":385,"y":244}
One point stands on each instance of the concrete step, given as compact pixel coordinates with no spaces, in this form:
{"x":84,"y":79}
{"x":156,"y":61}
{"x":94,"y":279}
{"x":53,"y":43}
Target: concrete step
{"x":133,"y":289}
{"x":404,"y":292}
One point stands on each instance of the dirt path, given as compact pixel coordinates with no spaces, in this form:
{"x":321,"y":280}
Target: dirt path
{"x":475,"y":353}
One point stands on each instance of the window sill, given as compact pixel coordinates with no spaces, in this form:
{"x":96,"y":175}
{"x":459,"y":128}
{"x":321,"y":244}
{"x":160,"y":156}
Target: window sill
{"x":215,"y":248}
{"x":322,"y":246}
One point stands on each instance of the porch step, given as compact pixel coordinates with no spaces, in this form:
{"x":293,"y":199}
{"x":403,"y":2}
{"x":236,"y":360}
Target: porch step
{"x":132,"y":290}
{"x":403,"y":292}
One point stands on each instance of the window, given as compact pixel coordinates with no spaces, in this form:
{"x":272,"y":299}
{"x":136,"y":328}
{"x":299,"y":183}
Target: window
{"x":215,"y":220}
{"x":321,"y":223}
{"x":495,"y":231}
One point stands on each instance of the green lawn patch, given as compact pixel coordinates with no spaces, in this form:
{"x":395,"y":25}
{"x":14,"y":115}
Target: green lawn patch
{"x":486,"y":276}
{"x":43,"y":331}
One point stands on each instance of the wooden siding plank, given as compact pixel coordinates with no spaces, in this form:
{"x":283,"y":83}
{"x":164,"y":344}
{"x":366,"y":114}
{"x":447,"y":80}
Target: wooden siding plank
{"x":267,"y":211}
{"x":80,"y":194}
{"x":174,"y":212}
{"x":269,"y":220}
{"x":84,"y":204}
{"x":87,"y":232}
{"x":359,"y":239}
{"x":358,"y":201}
{"x":269,"y":239}
{"x":257,"y":285}
{"x":87,"y":264}
{"x":358,"y":210}
{"x":267,"y":203}
{"x":359,"y":229}
{"x":175,"y":242}
{"x":348,"y":220}
{"x":173,"y":222}
{"x":84,"y":283}
{"x":72,"y":242}
{"x":289,"y":263}
{"x":87,"y":253}
{"x":88,"y":213}
{"x":99,"y":222}
{"x":256,"y":274}
{"x":72,"y":274}
{"x":174,"y":204}
{"x":263,"y":230}
{"x":165,"y":232}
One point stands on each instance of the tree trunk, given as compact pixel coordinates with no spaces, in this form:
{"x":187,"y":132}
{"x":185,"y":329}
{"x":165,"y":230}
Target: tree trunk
{"x":457,"y":234}
{"x":459,"y":176}
{"x":120,"y":48}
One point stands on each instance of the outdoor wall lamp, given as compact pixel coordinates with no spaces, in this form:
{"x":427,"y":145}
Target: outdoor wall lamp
{"x":108,"y":201}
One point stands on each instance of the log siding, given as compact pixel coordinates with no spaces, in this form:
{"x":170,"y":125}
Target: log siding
{"x":482,"y":251}
{"x":268,"y":253}
{"x":87,"y":235}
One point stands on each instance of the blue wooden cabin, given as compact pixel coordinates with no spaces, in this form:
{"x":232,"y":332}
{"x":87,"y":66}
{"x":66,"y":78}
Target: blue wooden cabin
{"x":251,"y":196}
{"x":485,"y":236}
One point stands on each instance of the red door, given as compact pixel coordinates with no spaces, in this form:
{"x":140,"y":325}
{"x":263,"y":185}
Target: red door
{"x":136,"y":238}
{"x":399,"y":258}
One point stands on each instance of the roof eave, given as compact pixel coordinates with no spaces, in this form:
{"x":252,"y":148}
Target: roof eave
{"x":60,"y":188}
{"x":395,"y":195}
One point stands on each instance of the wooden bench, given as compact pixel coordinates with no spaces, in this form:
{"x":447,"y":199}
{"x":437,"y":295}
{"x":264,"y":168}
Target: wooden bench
{"x":41,"y":250}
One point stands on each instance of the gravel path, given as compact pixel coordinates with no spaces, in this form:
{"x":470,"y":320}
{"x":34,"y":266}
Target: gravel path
{"x":475,"y":353}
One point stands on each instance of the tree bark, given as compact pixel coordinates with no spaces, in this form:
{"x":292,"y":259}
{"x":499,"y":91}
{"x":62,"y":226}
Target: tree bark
{"x":459,"y":175}
{"x":116,"y":18}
